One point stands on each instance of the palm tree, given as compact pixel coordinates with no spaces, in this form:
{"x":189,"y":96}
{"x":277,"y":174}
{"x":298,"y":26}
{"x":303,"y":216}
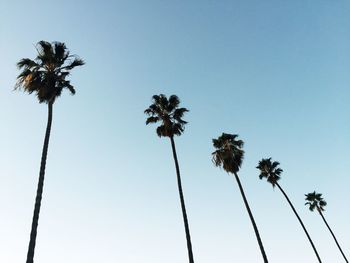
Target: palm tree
{"x":272,"y":173}
{"x":167,"y":112}
{"x":229,"y":155}
{"x":46,"y":77}
{"x":315,"y":200}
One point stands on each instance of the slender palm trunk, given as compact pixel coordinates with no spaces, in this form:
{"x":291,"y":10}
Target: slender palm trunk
{"x":182,"y":200}
{"x":330,"y":230}
{"x":251,"y":218}
{"x":31,"y":248}
{"x":301,"y":222}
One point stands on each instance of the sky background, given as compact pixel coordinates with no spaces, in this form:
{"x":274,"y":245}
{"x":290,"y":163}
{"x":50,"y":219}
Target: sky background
{"x":275,"y":72}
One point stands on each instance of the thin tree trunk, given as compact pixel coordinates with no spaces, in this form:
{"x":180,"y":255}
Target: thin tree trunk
{"x":183,"y":208}
{"x":31,"y":248}
{"x":330,"y":230}
{"x":251,"y":218}
{"x":301,"y":222}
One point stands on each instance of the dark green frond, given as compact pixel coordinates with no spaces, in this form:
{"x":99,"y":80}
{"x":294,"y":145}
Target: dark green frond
{"x":153,"y":110}
{"x":45,"y":52}
{"x":312,"y":206}
{"x":26,"y":63}
{"x":174,"y":101}
{"x":278,"y":171}
{"x":179,"y":113}
{"x":75,"y":63}
{"x":156,"y":98}
{"x":323,"y":203}
{"x":45,"y":47}
{"x":148,"y":111}
{"x":61,"y":53}
{"x":160,"y":131}
{"x":152,"y":120}
{"x":66,"y":84}
{"x":163,"y":101}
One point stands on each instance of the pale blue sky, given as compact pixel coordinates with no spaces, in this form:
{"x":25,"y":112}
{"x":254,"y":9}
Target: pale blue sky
{"x":275,"y":72}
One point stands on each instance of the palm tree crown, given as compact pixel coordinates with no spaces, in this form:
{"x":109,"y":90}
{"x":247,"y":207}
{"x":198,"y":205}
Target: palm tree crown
{"x":229,"y":152}
{"x":166,"y":111}
{"x":315,"y":200}
{"x":269,"y":170}
{"x":46,"y":74}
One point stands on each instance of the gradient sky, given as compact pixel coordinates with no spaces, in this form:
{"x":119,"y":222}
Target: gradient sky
{"x":275,"y":72}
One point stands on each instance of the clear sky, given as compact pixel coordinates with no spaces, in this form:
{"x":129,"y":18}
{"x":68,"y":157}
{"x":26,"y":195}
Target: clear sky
{"x":275,"y":72}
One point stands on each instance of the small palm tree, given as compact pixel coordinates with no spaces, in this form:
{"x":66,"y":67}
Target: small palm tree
{"x":229,"y":155}
{"x":272,"y":173}
{"x":46,"y":76}
{"x":315,"y":200}
{"x":167,"y":112}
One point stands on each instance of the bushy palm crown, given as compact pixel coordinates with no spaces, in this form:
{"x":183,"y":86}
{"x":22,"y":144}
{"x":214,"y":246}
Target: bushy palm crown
{"x":229,"y":152}
{"x":270,"y":171}
{"x":315,"y":200}
{"x":167,"y":112}
{"x":46,"y":74}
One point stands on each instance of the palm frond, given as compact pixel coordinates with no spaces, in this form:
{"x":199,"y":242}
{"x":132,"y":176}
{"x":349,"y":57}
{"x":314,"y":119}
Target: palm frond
{"x":179,"y":113}
{"x":174,"y":101}
{"x":26,"y":63}
{"x":45,"y":52}
{"x":152,"y":119}
{"x":66,"y":84}
{"x":75,"y":63}
{"x":61,"y":53}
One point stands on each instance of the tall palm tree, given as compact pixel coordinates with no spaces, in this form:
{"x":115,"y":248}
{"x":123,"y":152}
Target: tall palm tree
{"x":272,"y":173}
{"x":167,"y":112}
{"x":46,"y":76}
{"x":229,"y":155}
{"x":315,"y":200}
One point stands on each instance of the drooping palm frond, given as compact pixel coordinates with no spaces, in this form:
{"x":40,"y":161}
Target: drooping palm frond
{"x":229,"y":153}
{"x":315,"y":200}
{"x":46,"y":75}
{"x":269,"y":170}
{"x":61,"y":52}
{"x":75,"y":63}
{"x":26,"y":63}
{"x":167,"y":112}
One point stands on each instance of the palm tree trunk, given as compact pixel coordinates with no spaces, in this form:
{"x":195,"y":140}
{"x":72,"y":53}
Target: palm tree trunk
{"x":31,"y":248}
{"x":251,"y":219}
{"x":330,"y":230}
{"x":182,"y":200}
{"x":301,"y":222}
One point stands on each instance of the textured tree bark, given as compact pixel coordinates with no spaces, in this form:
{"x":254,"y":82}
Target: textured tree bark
{"x":335,"y":239}
{"x":39,"y":193}
{"x":182,"y":201}
{"x":251,"y":219}
{"x":301,"y":222}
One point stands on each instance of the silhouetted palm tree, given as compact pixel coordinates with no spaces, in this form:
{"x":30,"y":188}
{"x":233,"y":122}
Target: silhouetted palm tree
{"x":229,"y":155}
{"x":315,"y":200}
{"x":272,"y":173}
{"x":46,"y":77}
{"x":167,"y":112}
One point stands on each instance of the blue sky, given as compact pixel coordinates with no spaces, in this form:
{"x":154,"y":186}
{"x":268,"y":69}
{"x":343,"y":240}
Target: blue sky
{"x":274,"y":72}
